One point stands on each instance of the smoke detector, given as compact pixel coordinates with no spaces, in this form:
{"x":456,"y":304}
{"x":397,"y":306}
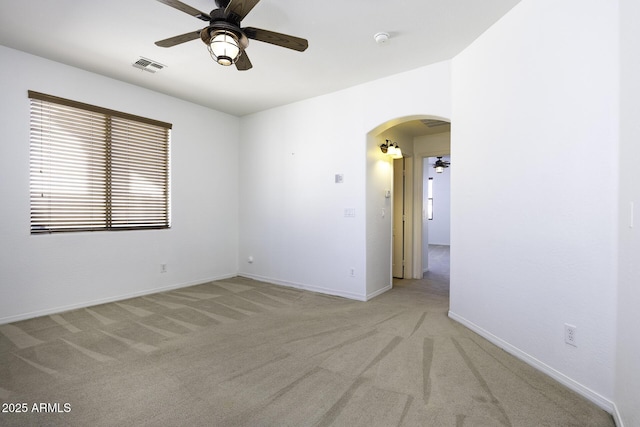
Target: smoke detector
{"x":381,"y":37}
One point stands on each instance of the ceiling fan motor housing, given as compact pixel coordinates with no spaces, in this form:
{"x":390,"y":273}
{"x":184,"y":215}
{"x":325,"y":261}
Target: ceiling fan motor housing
{"x":222,"y":4}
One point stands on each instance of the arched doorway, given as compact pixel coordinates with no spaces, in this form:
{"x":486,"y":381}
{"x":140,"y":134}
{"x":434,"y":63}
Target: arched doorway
{"x":411,"y":133}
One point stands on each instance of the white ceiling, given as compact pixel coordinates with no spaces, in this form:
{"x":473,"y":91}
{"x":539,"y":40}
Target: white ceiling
{"x":106,"y":37}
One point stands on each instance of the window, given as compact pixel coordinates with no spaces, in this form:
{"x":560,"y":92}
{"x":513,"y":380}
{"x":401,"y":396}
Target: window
{"x":430,"y":199}
{"x":96,"y":169}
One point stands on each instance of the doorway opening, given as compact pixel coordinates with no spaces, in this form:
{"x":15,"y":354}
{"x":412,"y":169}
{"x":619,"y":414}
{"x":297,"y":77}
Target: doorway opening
{"x":394,"y":226}
{"x":420,"y":217}
{"x":436,"y":218}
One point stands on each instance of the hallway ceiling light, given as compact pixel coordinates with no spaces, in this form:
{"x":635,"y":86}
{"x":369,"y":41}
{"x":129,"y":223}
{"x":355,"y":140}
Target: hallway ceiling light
{"x":391,"y":149}
{"x":440,"y":165}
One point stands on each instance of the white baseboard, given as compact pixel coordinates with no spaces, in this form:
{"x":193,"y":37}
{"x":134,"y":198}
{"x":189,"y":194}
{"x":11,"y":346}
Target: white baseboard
{"x":85,"y":304}
{"x":617,"y":417}
{"x":379,"y":292}
{"x":318,"y":289}
{"x":582,"y":390}
{"x":312,"y":288}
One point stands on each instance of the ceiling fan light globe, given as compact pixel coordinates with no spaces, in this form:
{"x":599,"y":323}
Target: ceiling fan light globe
{"x":224,"y":48}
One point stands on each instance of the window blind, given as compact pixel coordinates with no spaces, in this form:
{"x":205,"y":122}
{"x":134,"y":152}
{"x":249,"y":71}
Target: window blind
{"x":93,"y":168}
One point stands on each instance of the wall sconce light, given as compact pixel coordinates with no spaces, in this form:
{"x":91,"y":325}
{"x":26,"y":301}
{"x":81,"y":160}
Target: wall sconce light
{"x":440,"y":164}
{"x":391,"y":149}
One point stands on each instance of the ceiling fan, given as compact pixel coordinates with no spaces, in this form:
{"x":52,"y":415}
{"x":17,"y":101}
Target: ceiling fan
{"x":440,"y":165}
{"x":226,"y":40}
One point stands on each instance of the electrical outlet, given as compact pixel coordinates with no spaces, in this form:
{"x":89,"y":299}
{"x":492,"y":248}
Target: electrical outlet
{"x":163,"y":268}
{"x":352,"y":272}
{"x":570,"y":334}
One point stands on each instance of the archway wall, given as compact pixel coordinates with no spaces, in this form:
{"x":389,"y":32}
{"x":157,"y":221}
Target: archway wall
{"x":298,"y":225}
{"x":425,"y":96}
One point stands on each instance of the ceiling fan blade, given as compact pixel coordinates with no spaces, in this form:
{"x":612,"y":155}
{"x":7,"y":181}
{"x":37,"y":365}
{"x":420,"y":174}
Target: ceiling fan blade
{"x":182,"y":38}
{"x":278,"y":39}
{"x":240,"y":8}
{"x":187,"y":9}
{"x":243,"y":63}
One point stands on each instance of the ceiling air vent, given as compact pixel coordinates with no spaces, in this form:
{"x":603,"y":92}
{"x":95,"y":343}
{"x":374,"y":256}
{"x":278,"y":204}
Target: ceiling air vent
{"x":148,"y":65}
{"x":434,"y":123}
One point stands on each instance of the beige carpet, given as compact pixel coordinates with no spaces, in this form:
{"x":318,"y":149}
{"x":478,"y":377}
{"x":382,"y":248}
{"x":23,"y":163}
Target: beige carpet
{"x":243,"y":353}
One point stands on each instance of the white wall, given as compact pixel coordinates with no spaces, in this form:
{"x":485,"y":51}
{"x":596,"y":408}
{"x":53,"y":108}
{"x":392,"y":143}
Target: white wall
{"x":49,"y":273}
{"x":538,"y":92}
{"x":292,"y":213}
{"x":627,"y":376}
